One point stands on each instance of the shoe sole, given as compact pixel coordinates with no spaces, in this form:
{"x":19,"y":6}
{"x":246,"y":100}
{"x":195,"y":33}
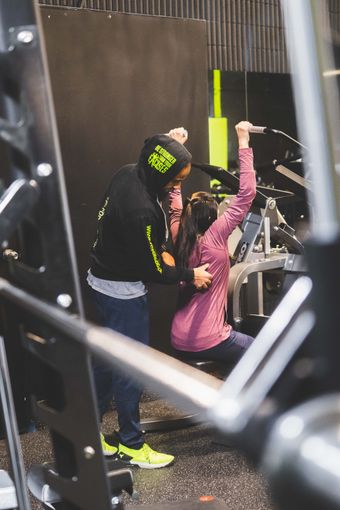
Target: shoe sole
{"x":144,"y":465}
{"x":109,"y":454}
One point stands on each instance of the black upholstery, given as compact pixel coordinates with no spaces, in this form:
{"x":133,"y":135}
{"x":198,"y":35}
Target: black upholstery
{"x":161,"y":424}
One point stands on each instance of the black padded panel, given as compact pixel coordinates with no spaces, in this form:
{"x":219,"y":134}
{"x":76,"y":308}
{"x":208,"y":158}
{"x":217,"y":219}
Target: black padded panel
{"x":116,"y":79}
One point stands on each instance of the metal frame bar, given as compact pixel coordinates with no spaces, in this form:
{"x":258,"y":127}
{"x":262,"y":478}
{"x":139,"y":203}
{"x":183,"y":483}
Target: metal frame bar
{"x":318,"y":120}
{"x":11,"y":426}
{"x":34,"y":154}
{"x":188,"y":387}
{"x":229,"y":406}
{"x":194,"y":388}
{"x":239,"y":273}
{"x":263,"y":363}
{"x":302,"y":455}
{"x":232,"y":406}
{"x":29,"y":98}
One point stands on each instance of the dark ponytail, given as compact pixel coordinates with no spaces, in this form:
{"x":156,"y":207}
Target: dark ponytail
{"x":198,"y":214}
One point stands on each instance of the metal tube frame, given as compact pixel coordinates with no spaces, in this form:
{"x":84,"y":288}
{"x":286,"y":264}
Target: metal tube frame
{"x":317,"y":107}
{"x":14,"y":445}
{"x":233,"y":406}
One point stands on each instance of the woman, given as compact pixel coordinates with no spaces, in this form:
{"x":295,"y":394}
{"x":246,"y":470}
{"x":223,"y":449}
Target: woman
{"x":199,"y":327}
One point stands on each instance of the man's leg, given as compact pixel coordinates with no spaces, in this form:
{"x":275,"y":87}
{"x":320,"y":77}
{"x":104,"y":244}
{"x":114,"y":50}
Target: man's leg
{"x":134,"y":323}
{"x":102,"y":372}
{"x":130,"y":317}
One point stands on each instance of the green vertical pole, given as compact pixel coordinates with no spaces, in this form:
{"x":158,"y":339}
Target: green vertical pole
{"x":218,"y":127}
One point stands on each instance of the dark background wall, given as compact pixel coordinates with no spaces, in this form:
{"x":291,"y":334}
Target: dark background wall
{"x":264,"y":99}
{"x":117,"y":79}
{"x":243,"y":35}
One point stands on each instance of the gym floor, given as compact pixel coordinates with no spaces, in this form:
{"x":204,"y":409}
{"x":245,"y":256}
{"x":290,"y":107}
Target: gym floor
{"x":202,"y":466}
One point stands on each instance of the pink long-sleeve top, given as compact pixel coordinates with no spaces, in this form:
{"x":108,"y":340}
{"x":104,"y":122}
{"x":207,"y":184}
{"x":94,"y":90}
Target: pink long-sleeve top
{"x":199,"y":322}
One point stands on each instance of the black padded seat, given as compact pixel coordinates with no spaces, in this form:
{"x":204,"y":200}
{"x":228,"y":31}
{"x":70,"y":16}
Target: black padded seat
{"x":175,"y":422}
{"x":216,"y":368}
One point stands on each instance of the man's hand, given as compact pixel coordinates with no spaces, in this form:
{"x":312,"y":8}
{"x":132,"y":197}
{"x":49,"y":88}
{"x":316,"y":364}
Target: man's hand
{"x":202,"y":279}
{"x":242,"y":129}
{"x":168,"y":258}
{"x":180,"y":134}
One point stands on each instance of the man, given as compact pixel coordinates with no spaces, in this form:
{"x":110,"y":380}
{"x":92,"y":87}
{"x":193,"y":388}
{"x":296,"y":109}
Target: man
{"x":127,"y":253}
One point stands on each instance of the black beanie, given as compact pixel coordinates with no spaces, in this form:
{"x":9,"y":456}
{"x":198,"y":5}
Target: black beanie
{"x":161,"y":159}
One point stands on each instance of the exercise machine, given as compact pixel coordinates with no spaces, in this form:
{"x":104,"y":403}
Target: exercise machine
{"x":285,"y":390}
{"x":265,"y":245}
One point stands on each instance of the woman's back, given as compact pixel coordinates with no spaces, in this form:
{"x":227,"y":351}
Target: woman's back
{"x":200,"y":322}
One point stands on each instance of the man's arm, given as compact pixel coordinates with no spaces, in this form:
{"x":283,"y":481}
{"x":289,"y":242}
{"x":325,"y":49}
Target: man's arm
{"x":142,"y":241}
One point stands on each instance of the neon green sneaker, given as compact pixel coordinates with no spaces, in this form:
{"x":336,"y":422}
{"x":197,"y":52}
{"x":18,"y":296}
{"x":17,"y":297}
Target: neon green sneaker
{"x":108,"y":449}
{"x":145,"y":457}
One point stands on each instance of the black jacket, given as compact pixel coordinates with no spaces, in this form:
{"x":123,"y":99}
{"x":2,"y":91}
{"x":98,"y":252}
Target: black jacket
{"x":131,"y":224}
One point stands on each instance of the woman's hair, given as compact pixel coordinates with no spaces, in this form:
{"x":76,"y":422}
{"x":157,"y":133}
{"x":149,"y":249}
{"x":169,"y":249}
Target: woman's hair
{"x":199,"y":212}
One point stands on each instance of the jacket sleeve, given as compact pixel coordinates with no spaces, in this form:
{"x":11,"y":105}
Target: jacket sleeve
{"x":142,"y":242}
{"x":175,"y":211}
{"x":221,"y":229}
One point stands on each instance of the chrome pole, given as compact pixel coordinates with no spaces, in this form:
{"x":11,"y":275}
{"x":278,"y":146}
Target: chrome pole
{"x":12,"y":433}
{"x":317,"y":107}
